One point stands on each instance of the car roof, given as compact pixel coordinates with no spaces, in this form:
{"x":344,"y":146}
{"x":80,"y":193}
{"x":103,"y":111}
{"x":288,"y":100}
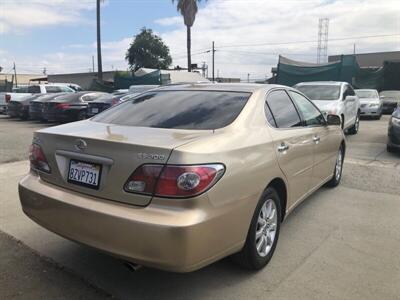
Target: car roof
{"x":207,"y":86}
{"x":322,"y":83}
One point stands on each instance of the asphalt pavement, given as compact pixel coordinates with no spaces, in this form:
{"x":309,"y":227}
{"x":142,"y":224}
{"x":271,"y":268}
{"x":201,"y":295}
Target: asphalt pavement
{"x":340,"y":243}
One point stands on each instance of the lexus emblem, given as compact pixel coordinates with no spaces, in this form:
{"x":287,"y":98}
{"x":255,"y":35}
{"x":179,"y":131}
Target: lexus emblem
{"x":80,"y":145}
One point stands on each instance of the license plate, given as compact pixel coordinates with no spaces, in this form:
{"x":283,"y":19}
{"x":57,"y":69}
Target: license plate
{"x":84,"y":173}
{"x":95,"y":110}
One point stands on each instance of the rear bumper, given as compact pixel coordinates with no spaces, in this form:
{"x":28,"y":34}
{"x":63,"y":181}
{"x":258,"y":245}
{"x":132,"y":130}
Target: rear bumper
{"x":368,"y":111}
{"x":179,"y":240}
{"x":61,"y":115}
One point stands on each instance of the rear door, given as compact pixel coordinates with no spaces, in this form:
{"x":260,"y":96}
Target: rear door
{"x":326,"y":142}
{"x":294,"y":144}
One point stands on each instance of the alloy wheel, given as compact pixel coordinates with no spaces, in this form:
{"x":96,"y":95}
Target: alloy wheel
{"x":266,"y":228}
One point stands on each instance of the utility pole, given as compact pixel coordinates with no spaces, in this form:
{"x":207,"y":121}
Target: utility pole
{"x":99,"y":64}
{"x":248,"y":77}
{"x":15,"y":75}
{"x":354,"y":49}
{"x":213,"y":62}
{"x":93,"y":63}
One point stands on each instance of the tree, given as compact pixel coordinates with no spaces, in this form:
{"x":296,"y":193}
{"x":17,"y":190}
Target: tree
{"x":99,"y":62}
{"x":188,"y":9}
{"x":148,"y":51}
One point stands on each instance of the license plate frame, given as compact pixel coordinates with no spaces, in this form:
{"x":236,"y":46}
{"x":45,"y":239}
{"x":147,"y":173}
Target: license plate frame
{"x":99,"y":168}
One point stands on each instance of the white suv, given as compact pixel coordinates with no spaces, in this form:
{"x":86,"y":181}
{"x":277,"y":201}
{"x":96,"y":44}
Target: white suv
{"x":337,"y":98}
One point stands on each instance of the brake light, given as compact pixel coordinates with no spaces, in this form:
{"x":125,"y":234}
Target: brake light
{"x":173,"y":180}
{"x":114,"y":101}
{"x":62,"y":106}
{"x":8,"y":98}
{"x":38,"y":159}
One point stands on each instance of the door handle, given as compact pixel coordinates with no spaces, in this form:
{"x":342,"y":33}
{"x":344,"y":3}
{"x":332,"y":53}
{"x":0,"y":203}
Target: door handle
{"x":283,"y":147}
{"x":316,"y":139}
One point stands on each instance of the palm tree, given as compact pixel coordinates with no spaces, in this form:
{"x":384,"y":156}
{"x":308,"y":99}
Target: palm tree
{"x":99,"y":63}
{"x":188,"y":9}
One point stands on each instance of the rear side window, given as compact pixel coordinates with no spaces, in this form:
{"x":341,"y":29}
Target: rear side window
{"x":53,"y":89}
{"x":34,"y":89}
{"x":283,"y":110}
{"x":178,"y":109}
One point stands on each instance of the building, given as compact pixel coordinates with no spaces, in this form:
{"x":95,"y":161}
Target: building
{"x":22,"y":79}
{"x":367,"y":60}
{"x":173,"y":76}
{"x":84,"y":80}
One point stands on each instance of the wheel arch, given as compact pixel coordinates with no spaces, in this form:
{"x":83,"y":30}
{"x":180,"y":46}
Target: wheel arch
{"x":280,"y":187}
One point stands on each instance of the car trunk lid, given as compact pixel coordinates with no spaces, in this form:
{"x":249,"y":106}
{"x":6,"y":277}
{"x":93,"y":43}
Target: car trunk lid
{"x":117,"y":150}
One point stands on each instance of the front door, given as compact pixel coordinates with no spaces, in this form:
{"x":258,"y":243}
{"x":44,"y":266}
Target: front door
{"x":294,"y":145}
{"x":325,"y":142}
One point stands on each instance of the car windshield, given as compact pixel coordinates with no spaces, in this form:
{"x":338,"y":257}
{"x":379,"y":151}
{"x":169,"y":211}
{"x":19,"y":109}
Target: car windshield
{"x":366,"y":94}
{"x":320,"y":92}
{"x":390,"y":94}
{"x":178,"y":109}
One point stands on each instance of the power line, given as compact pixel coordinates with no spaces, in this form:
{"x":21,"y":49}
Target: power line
{"x":309,"y":41}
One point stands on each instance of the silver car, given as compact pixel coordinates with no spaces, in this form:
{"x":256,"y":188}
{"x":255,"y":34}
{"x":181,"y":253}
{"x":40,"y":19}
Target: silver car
{"x":370,"y":103}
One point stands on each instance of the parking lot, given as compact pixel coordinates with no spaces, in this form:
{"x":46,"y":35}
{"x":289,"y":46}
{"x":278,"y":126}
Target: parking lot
{"x":341,"y":243}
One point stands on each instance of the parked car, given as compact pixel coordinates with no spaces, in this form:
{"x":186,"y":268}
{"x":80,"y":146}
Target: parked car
{"x":19,"y":108}
{"x":393,"y":143}
{"x":338,"y":98}
{"x":103,"y":102}
{"x":182,"y":176}
{"x":370,"y":103}
{"x":17,"y":92}
{"x":36,"y":105}
{"x":68,"y":108}
{"x":390,"y":99}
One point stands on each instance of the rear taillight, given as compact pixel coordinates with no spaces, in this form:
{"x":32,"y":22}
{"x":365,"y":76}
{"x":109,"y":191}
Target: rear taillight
{"x":173,"y":181}
{"x":8,"y":98}
{"x":62,"y":106}
{"x":37,"y":159}
{"x":114,"y":101}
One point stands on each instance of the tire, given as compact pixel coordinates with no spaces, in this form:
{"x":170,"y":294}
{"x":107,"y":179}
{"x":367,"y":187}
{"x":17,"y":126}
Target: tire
{"x":354,"y":129}
{"x":337,"y":173}
{"x":81,"y":115}
{"x":390,"y":149}
{"x":249,"y":257}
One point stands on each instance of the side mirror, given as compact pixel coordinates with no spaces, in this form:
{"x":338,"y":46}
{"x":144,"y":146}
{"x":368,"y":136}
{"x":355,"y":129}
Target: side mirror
{"x":333,"y":120}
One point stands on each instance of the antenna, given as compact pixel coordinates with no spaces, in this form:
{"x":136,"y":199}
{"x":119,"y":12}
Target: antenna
{"x":322,"y":50}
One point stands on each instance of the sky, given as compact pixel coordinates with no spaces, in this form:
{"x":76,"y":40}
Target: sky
{"x":60,"y":35}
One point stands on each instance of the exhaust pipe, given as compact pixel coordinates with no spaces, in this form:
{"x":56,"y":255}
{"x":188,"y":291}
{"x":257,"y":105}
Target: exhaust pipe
{"x":131,"y":266}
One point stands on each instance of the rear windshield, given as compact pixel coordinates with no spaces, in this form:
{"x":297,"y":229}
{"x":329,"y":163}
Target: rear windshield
{"x":20,"y":89}
{"x":34,"y":89}
{"x":320,"y":92}
{"x":178,"y":109}
{"x":366,"y":94}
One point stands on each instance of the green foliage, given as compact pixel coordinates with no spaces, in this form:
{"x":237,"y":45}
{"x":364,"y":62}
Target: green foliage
{"x":188,"y":9}
{"x":148,"y":51}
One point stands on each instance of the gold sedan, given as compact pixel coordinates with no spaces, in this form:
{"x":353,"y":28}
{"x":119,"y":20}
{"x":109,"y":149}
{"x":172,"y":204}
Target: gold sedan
{"x":184,"y":175}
